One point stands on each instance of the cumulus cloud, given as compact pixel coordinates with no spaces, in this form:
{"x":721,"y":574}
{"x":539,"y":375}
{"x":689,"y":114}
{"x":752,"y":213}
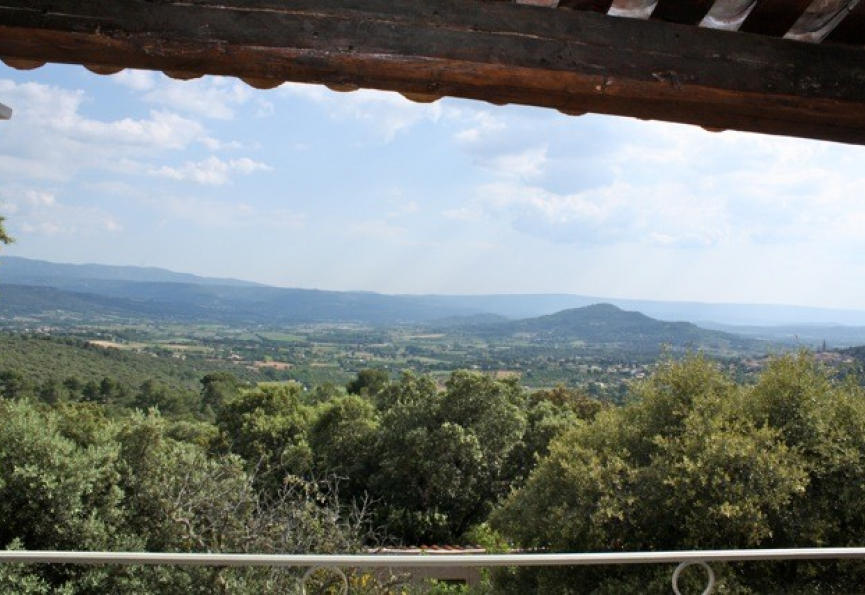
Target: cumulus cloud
{"x":50,"y":139}
{"x":39,"y":212}
{"x":615,"y":214}
{"x":480,"y":125}
{"x":210,"y":97}
{"x":137,"y":80}
{"x":389,"y":113}
{"x":212,"y":170}
{"x":524,"y":164}
{"x":594,"y":181}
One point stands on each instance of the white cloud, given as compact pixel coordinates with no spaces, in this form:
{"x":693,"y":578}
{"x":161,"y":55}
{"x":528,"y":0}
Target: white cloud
{"x":225,"y":214}
{"x":39,"y":212}
{"x":214,"y":144}
{"x":389,"y":113}
{"x":163,"y":130}
{"x":210,"y":97}
{"x":212,"y":170}
{"x":404,"y":208}
{"x":137,"y":80}
{"x":482,"y":124}
{"x":50,"y":139}
{"x":525,"y":164}
{"x":593,"y":181}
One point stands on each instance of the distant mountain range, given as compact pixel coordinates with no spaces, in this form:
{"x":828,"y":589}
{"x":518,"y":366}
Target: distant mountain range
{"x":39,"y":289}
{"x":26,"y":271}
{"x":43,"y":289}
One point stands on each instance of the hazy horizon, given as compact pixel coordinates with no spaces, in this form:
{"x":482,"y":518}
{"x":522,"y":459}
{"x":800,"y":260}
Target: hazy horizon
{"x":624,"y":301}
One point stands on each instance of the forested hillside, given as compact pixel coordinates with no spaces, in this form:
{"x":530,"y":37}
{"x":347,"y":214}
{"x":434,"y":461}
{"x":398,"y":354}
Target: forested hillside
{"x":68,"y":370}
{"x":604,"y":326}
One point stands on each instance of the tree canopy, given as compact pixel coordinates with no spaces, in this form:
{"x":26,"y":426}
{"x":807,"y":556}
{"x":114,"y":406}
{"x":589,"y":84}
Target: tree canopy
{"x":699,"y":462}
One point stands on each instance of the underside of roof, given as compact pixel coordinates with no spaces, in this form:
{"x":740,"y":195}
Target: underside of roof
{"x":788,"y":67}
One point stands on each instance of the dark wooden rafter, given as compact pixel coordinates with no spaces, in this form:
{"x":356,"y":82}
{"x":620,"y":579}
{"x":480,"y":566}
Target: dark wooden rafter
{"x":689,"y":12}
{"x":774,"y":17}
{"x":852,"y":29}
{"x":600,"y":6}
{"x":571,"y":60}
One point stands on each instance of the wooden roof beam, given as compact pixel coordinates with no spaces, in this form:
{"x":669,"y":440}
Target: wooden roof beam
{"x":573,"y":61}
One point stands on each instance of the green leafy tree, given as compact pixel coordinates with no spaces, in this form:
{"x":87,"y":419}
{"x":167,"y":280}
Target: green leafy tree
{"x":16,"y":385}
{"x":267,"y":427}
{"x":218,"y":388}
{"x":4,"y":237}
{"x":56,"y":494}
{"x":343,"y":439}
{"x":442,"y":455}
{"x":549,"y":413}
{"x":368,"y":382}
{"x":72,"y":479}
{"x":698,"y":462}
{"x":324,"y":392}
{"x":153,"y":394}
{"x":181,"y":499}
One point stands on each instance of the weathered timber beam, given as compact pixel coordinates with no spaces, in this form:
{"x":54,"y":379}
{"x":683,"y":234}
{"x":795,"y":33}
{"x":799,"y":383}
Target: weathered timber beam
{"x":499,"y":52}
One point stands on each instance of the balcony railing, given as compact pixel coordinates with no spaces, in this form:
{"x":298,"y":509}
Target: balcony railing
{"x":335,"y":563}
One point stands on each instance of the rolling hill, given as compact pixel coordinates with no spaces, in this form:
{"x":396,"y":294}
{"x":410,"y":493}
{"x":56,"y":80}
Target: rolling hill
{"x":605,"y":326}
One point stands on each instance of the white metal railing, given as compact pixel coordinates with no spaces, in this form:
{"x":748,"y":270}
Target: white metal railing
{"x":335,"y":562}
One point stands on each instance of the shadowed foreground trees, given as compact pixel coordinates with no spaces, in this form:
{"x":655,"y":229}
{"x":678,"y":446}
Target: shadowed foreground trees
{"x":70,"y":479}
{"x":698,"y":462}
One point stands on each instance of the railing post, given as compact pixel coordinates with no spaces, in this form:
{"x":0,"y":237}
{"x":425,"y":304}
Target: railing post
{"x":710,"y":588}
{"x":334,"y":569}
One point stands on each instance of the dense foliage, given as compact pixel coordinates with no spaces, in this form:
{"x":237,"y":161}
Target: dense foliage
{"x":698,"y":462}
{"x":104,"y":469}
{"x":72,"y":479}
{"x":694,"y":461}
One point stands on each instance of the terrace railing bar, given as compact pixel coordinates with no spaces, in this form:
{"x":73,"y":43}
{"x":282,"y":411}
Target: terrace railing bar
{"x":378,"y":561}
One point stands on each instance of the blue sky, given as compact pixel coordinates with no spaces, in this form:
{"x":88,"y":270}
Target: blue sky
{"x":304,"y":187}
